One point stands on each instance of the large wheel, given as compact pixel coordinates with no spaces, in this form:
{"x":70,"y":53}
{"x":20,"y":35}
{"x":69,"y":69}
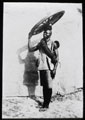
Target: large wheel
{"x":39,"y":27}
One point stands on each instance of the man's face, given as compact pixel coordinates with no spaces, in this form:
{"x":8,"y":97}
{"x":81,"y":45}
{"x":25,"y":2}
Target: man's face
{"x":47,"y":34}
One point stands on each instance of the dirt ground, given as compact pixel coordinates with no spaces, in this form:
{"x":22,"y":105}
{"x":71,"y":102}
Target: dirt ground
{"x":70,"y":106}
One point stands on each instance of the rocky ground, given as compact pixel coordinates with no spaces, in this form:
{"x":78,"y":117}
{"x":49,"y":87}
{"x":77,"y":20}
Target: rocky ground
{"x":68,"y":106}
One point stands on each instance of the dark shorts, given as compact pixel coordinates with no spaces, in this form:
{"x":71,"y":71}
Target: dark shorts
{"x":45,"y":78}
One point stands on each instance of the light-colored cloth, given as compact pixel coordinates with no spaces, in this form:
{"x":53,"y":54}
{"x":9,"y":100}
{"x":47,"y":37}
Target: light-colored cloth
{"x":43,"y":58}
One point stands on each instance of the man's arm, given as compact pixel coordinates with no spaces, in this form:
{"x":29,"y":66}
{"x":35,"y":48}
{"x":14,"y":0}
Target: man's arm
{"x":31,"y":49}
{"x":42,"y":45}
{"x":45,"y":48}
{"x":47,"y":51}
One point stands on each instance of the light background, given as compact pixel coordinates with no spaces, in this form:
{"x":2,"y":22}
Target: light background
{"x":18,"y":19}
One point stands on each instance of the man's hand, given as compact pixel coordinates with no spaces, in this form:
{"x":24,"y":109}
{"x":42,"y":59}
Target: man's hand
{"x":53,"y":73}
{"x":54,"y":60}
{"x":39,"y":45}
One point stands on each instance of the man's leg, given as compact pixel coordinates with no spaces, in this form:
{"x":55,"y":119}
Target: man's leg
{"x":47,"y":93}
{"x":47,"y":89}
{"x":45,"y":97}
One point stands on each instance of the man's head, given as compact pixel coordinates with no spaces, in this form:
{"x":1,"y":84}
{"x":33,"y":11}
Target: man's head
{"x":47,"y":31}
{"x":56,"y":44}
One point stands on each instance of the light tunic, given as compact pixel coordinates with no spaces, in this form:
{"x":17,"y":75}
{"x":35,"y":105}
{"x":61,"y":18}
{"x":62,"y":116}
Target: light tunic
{"x":43,"y":58}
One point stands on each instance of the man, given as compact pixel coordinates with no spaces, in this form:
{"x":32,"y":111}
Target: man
{"x":47,"y":53}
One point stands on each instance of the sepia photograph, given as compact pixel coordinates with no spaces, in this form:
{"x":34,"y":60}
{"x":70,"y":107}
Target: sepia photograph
{"x":42,"y":60}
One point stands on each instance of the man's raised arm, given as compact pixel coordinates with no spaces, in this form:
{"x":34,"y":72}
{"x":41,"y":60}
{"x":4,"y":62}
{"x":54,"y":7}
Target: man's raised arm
{"x":30,"y":48}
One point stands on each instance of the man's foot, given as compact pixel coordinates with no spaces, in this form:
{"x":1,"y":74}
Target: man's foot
{"x":40,"y":104}
{"x":43,"y":108}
